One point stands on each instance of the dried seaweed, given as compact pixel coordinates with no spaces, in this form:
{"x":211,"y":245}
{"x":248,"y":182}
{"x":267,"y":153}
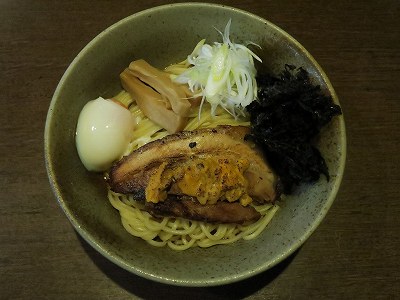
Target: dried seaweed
{"x":285,"y":120}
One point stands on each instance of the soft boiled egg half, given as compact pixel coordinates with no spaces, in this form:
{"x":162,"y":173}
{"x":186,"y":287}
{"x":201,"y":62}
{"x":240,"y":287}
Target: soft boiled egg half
{"x":103,"y":133}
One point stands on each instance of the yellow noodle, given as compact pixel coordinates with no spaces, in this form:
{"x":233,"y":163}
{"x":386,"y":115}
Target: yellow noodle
{"x":124,"y":98}
{"x":177,"y":233}
{"x":181,"y":234}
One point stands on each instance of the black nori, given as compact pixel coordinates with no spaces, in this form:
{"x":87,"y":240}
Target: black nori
{"x":285,"y":119}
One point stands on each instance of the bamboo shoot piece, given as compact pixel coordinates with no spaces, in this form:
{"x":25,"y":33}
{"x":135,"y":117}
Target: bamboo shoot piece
{"x":162,"y":83}
{"x":152,"y":103}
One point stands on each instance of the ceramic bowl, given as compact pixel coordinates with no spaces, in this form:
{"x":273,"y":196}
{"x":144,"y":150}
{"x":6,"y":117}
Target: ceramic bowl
{"x":164,"y":35}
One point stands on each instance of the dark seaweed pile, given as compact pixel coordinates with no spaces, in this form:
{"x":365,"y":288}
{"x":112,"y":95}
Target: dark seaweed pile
{"x":285,"y":120}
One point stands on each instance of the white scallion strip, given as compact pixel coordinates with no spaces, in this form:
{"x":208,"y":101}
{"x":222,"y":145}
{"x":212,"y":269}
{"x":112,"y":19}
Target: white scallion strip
{"x":224,"y":73}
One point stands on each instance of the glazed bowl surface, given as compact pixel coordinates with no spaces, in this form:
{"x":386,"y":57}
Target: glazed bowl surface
{"x":165,"y":35}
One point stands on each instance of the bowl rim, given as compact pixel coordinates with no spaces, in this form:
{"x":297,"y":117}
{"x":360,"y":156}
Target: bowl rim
{"x":201,"y":282}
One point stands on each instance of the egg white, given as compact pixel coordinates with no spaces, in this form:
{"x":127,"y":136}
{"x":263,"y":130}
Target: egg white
{"x":103,"y":132}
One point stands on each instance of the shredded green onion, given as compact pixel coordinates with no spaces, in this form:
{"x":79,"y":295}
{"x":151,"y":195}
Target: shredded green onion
{"x":223,"y":74}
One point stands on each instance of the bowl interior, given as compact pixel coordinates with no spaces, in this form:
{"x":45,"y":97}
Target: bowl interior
{"x":165,"y":35}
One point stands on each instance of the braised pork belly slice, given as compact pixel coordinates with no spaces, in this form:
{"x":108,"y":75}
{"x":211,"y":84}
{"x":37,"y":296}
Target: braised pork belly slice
{"x":134,"y":173}
{"x":190,"y":208}
{"x":208,"y":178}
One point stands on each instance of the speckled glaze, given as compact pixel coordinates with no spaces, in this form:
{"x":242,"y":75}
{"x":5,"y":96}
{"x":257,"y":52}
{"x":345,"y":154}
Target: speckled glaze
{"x":165,"y":35}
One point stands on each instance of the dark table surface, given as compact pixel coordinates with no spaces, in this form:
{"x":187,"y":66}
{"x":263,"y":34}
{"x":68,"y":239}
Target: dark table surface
{"x":354,"y":254}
